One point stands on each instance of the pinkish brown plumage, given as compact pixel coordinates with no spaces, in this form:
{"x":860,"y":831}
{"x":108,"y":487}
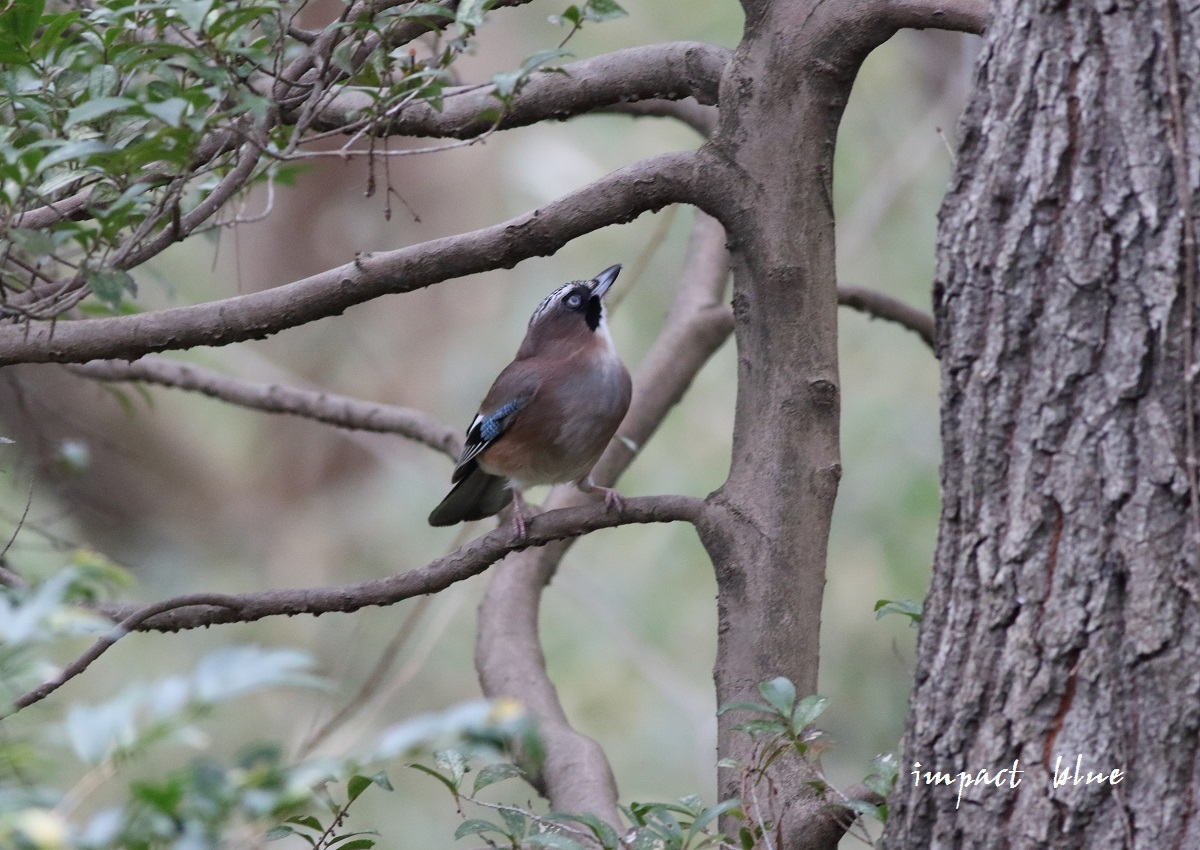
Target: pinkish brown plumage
{"x":550,"y":414}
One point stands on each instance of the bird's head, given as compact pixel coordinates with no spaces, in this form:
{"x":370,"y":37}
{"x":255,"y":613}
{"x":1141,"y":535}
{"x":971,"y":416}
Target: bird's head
{"x":570,"y":314}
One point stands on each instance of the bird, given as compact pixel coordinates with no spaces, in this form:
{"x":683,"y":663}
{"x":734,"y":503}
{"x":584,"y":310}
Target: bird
{"x":549,"y":414}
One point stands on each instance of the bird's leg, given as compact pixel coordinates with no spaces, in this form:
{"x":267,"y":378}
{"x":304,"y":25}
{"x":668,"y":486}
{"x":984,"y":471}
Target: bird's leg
{"x":613,"y":501}
{"x":518,"y":514}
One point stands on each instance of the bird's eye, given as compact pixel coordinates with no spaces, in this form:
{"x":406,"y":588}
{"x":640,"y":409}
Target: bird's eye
{"x":574,"y":301}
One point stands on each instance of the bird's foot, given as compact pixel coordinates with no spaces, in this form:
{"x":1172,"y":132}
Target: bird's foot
{"x":518,"y":517}
{"x":613,"y":501}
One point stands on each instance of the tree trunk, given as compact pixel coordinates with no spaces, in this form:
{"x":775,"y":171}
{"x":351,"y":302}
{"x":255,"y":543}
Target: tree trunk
{"x":1061,"y":619}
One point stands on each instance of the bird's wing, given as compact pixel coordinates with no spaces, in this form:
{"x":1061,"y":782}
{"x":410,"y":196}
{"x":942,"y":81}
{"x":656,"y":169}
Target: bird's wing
{"x":511,"y":393}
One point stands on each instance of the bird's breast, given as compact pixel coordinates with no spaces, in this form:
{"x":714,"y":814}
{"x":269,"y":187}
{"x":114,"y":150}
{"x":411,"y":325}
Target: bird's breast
{"x":577,"y":409}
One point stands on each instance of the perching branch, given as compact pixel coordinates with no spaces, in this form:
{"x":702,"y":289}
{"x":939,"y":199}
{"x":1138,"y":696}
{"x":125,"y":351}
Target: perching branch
{"x":469,"y":560}
{"x":205,"y":609}
{"x":890,"y":309}
{"x":615,"y":199}
{"x":342,"y":411}
{"x":576,"y":776}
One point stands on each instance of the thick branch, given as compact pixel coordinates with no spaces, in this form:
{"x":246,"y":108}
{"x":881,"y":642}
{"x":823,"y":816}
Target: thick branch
{"x":890,"y":309}
{"x":470,"y":560}
{"x":617,"y":198}
{"x":659,"y":71}
{"x":576,"y":776}
{"x":325,"y":407}
{"x":957,"y":15}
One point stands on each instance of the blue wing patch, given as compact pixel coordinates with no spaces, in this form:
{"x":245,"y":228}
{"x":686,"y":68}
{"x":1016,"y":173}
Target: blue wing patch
{"x":492,"y":426}
{"x":485,"y":430}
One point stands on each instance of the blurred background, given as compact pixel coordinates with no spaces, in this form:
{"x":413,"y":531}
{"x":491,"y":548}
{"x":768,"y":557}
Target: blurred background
{"x":191,"y":495}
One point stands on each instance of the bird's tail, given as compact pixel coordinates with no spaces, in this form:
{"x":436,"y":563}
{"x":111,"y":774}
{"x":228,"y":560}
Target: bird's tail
{"x":477,"y":494}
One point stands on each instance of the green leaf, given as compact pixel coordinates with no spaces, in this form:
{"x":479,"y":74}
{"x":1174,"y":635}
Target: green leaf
{"x":808,"y":710}
{"x":904,"y":607}
{"x":470,"y":13}
{"x":708,"y":816}
{"x":605,"y":834}
{"x":194,"y":12}
{"x":111,"y":285}
{"x":761,"y":727}
{"x":358,"y":784}
{"x":746,"y":706}
{"x":453,"y":762}
{"x":21,"y":18}
{"x":95,"y":108}
{"x":476,"y":826}
{"x":277,"y":832}
{"x":554,"y":840}
{"x":72,"y":150}
{"x":442,"y":779}
{"x":169,"y":111}
{"x":603,"y":10}
{"x":570,"y":15}
{"x":515,"y":821}
{"x":780,"y":693}
{"x":308,"y":821}
{"x":102,"y":81}
{"x":494,"y":773}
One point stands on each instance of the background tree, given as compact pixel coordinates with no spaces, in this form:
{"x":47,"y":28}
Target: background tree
{"x":1060,"y":617}
{"x":136,"y":126}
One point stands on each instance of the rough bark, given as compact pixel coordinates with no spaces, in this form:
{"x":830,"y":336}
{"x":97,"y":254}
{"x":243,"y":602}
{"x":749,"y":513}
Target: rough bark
{"x":1061,"y":619}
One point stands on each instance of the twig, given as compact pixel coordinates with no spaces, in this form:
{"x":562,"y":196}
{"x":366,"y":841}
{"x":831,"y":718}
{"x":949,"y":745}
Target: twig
{"x":325,"y":407}
{"x":886,"y":307}
{"x":122,"y":628}
{"x":371,"y":684}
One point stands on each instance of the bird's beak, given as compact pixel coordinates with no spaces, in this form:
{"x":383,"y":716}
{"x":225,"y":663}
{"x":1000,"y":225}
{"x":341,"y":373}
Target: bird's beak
{"x":603,"y":281}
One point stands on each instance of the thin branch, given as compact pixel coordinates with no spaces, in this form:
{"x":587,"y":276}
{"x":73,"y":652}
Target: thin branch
{"x":615,"y":199}
{"x":370,"y":685}
{"x":576,"y":775}
{"x":700,"y":117}
{"x":342,"y":411}
{"x":129,"y":623}
{"x":886,"y":307}
{"x":467,"y":561}
{"x":669,"y":71}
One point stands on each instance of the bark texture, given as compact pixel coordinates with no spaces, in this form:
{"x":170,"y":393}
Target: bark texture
{"x":1061,"y":620}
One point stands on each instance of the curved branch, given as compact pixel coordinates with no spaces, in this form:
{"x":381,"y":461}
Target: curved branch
{"x":342,"y":411}
{"x":658,"y":71}
{"x":575,"y":774}
{"x":890,"y":309}
{"x":119,"y":631}
{"x":615,"y":199}
{"x":698,"y":116}
{"x":197,"y":610}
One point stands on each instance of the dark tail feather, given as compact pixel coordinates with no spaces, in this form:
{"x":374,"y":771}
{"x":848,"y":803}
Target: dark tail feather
{"x":476,"y":495}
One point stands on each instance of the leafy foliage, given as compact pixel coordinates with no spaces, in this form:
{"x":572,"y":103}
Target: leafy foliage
{"x":127,"y":126}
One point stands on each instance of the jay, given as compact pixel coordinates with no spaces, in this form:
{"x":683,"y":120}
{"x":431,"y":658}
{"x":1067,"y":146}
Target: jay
{"x":549,"y":415}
